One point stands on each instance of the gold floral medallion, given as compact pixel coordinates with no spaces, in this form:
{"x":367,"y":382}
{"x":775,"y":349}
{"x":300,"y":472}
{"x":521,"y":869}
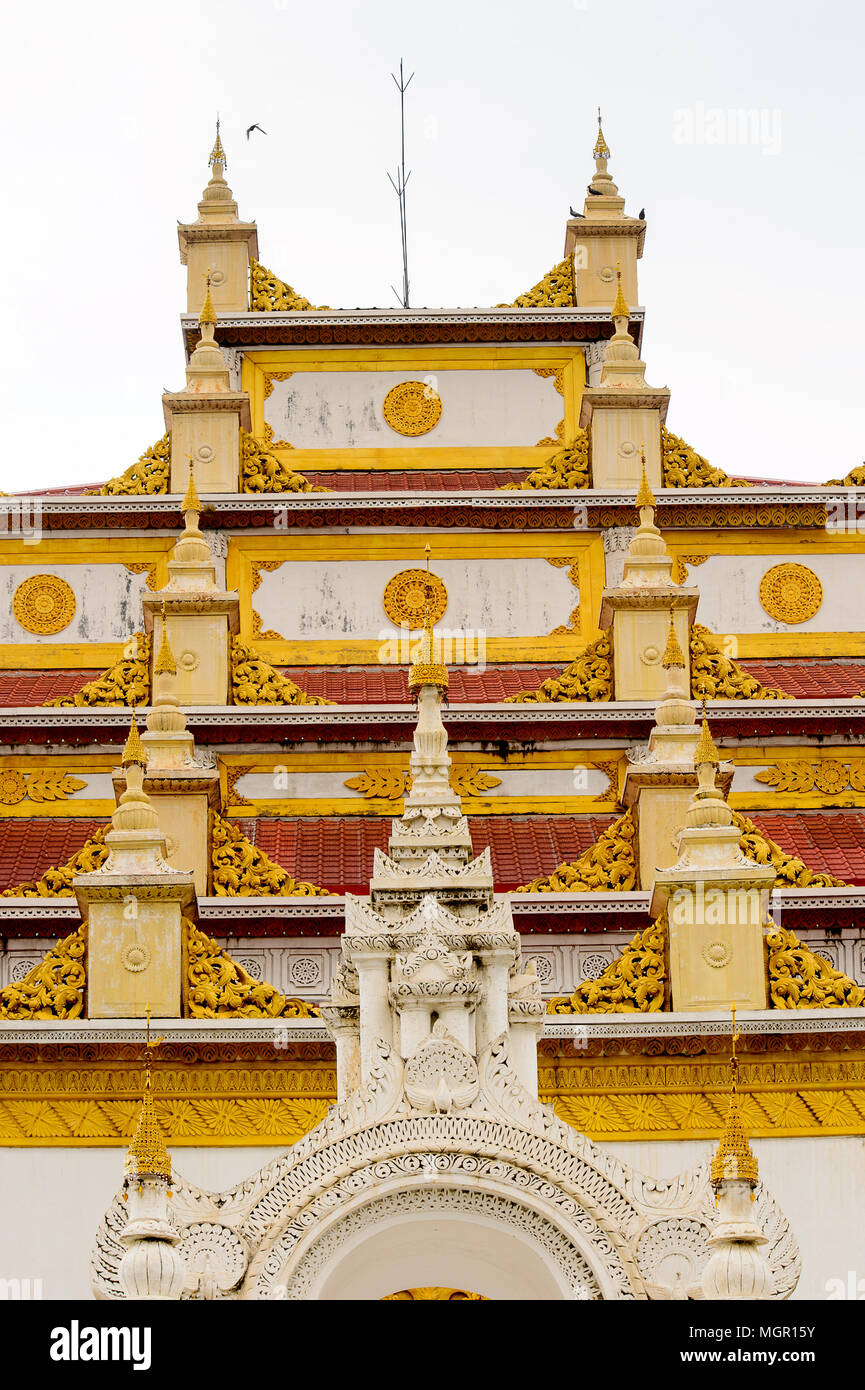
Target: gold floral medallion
{"x":405,"y":598}
{"x":44,"y":604}
{"x":412,"y":408}
{"x":13,"y":787}
{"x":791,"y":593}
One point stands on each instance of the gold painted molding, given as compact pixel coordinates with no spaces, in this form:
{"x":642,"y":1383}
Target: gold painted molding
{"x":252,"y":1094}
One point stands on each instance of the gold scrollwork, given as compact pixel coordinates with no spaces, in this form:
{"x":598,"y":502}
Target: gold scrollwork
{"x":269,"y":294}
{"x":54,"y":988}
{"x":635,"y":982}
{"x":412,"y":408}
{"x":557,"y":290}
{"x":609,"y":865}
{"x":791,"y":593}
{"x":127,"y":682}
{"x":682,"y":466}
{"x":146,"y":477}
{"x":219,"y":987}
{"x":590,"y":677}
{"x":262,"y":471}
{"x":435,"y":1294}
{"x":800,"y":979}
{"x":568,"y":470}
{"x":790,"y":872}
{"x":255,"y":682}
{"x":715,"y":676}
{"x":405,"y":598}
{"x":241,"y":869}
{"x":44,"y":604}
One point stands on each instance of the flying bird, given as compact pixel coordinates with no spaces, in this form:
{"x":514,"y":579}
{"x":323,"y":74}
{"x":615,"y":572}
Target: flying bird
{"x":251,"y":128}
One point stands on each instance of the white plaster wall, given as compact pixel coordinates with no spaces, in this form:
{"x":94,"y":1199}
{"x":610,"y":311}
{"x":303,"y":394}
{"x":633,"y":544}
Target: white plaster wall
{"x":340,"y":410}
{"x":508,"y":597}
{"x":818,"y":1183}
{"x":107,"y":602}
{"x":730,"y":593}
{"x":55,"y":1199}
{"x":525,"y":781}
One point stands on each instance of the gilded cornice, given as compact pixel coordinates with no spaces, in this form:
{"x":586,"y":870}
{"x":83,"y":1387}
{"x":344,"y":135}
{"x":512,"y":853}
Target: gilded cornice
{"x":252,"y":1093}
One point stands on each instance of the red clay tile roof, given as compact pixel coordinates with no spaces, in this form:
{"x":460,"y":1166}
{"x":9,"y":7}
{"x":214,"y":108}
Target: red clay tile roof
{"x":811,"y":680}
{"x":35,"y":687}
{"x":417,"y":479}
{"x":29,"y":847}
{"x":384,"y":685}
{"x":337,"y":852}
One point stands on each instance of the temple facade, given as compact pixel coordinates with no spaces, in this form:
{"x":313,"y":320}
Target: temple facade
{"x":432,"y":819}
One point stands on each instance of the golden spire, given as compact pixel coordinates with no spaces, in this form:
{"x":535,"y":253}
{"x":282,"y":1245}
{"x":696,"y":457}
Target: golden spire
{"x":645,"y":497}
{"x":734,"y":1158}
{"x":427,"y":671}
{"x":673,"y":652}
{"x":165,"y":665}
{"x":190,"y":501}
{"x":620,"y":309}
{"x":217,"y":154}
{"x":134,"y":753}
{"x":602,"y":149}
{"x":147,"y":1155}
{"x":706,"y":752}
{"x":208,"y":313}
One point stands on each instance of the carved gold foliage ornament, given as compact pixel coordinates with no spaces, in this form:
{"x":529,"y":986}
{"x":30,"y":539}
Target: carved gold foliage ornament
{"x":557,"y":290}
{"x":609,"y":865}
{"x":57,"y":882}
{"x":241,"y":869}
{"x":791,"y":593}
{"x":412,"y":408}
{"x":682,"y":466}
{"x":855,"y":478}
{"x":147,"y":567}
{"x":44,"y":604}
{"x":789,"y":871}
{"x":380,"y":784}
{"x":568,"y":470}
{"x":389,"y":784}
{"x":405,"y":598}
{"x":681,"y":563}
{"x":830,"y":776}
{"x":232,"y":777}
{"x":54,"y":988}
{"x":269,"y":294}
{"x":715,"y":676}
{"x":572,"y":564}
{"x":41,"y":785}
{"x":255,"y":682}
{"x":146,"y":477}
{"x":127,"y":682}
{"x":590,"y":677}
{"x":800,"y":979}
{"x":259,"y":567}
{"x":218,"y":987}
{"x":635,"y":982}
{"x":262,"y":471}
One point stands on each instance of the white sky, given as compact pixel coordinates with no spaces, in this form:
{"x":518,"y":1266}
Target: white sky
{"x":753,"y":267}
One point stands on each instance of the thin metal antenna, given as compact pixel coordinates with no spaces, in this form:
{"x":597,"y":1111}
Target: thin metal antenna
{"x":398,"y":186}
